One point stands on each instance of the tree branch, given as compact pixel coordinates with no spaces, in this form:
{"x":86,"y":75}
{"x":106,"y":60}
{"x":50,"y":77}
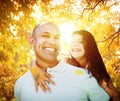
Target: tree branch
{"x":92,"y":8}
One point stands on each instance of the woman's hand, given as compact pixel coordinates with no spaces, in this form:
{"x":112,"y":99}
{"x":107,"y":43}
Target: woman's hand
{"x":41,"y":79}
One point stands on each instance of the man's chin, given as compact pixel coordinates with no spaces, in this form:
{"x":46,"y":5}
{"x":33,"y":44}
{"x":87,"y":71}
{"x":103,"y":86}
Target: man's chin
{"x":51,"y":59}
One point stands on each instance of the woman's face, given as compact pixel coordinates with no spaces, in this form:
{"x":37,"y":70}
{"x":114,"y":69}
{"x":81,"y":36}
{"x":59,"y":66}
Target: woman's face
{"x":77,"y":48}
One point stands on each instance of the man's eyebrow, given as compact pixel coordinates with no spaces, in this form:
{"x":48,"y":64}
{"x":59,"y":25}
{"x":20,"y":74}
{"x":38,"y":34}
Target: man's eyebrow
{"x":45,"y":33}
{"x":58,"y":36}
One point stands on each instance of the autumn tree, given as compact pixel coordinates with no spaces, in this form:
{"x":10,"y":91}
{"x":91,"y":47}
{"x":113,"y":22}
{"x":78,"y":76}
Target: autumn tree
{"x":18,"y":18}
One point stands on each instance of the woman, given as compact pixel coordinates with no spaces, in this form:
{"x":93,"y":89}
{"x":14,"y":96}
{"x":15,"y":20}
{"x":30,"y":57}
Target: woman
{"x":84,"y":53}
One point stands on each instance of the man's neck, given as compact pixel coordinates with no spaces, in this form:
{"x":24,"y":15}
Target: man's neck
{"x":44,"y":65}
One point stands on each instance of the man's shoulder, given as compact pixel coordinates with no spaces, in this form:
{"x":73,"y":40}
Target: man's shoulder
{"x":74,"y":69}
{"x":24,"y":77}
{"x":64,"y":60}
{"x":77,"y":68}
{"x":78,"y":71}
{"x":22,"y":83}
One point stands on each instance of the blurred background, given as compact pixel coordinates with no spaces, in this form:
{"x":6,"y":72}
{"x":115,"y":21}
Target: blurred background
{"x":19,"y":17}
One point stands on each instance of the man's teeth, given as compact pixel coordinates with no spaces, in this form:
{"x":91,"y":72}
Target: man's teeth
{"x":50,"y":49}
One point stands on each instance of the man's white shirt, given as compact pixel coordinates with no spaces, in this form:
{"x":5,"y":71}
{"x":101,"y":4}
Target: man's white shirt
{"x":72,"y":84}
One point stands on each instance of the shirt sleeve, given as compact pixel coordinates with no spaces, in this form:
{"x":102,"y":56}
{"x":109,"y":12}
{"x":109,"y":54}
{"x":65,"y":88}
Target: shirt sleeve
{"x":94,"y":91}
{"x":17,"y":90}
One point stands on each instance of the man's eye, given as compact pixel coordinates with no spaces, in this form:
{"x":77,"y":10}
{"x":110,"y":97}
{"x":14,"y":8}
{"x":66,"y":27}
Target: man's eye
{"x":57,"y":37}
{"x":45,"y":36}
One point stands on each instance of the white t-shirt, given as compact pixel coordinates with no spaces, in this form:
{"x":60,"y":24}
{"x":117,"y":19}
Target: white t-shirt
{"x":72,"y":84}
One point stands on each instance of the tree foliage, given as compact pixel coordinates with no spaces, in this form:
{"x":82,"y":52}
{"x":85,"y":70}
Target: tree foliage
{"x":18,"y":18}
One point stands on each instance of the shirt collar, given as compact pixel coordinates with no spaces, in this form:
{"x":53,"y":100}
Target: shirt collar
{"x":60,"y":67}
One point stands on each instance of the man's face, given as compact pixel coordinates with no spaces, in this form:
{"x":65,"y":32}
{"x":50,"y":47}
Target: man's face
{"x":47,"y":46}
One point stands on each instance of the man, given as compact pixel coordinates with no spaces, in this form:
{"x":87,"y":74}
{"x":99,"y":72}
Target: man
{"x":71,"y":83}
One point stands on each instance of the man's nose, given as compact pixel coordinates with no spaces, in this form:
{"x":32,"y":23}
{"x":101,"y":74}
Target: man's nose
{"x":52,"y":40}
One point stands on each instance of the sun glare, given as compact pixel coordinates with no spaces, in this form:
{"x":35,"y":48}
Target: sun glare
{"x":37,"y":14}
{"x":16,"y":18}
{"x":66,"y":31}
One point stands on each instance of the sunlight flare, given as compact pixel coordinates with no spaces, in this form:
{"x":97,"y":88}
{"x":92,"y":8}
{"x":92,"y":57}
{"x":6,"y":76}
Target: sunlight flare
{"x":66,"y":31}
{"x":37,"y":14}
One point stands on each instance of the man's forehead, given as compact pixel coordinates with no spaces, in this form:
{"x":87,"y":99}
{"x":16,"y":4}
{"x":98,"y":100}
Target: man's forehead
{"x":49,"y":34}
{"x":48,"y":27}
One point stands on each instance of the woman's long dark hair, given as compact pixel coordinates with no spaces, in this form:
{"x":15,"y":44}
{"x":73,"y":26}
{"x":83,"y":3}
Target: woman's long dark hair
{"x":96,"y":65}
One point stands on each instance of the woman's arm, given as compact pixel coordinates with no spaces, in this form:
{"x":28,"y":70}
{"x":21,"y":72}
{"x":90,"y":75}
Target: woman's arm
{"x":41,"y":77}
{"x":111,"y":90}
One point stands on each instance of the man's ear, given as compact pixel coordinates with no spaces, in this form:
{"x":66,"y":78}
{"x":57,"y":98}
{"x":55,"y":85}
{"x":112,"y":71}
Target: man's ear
{"x":31,"y":41}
